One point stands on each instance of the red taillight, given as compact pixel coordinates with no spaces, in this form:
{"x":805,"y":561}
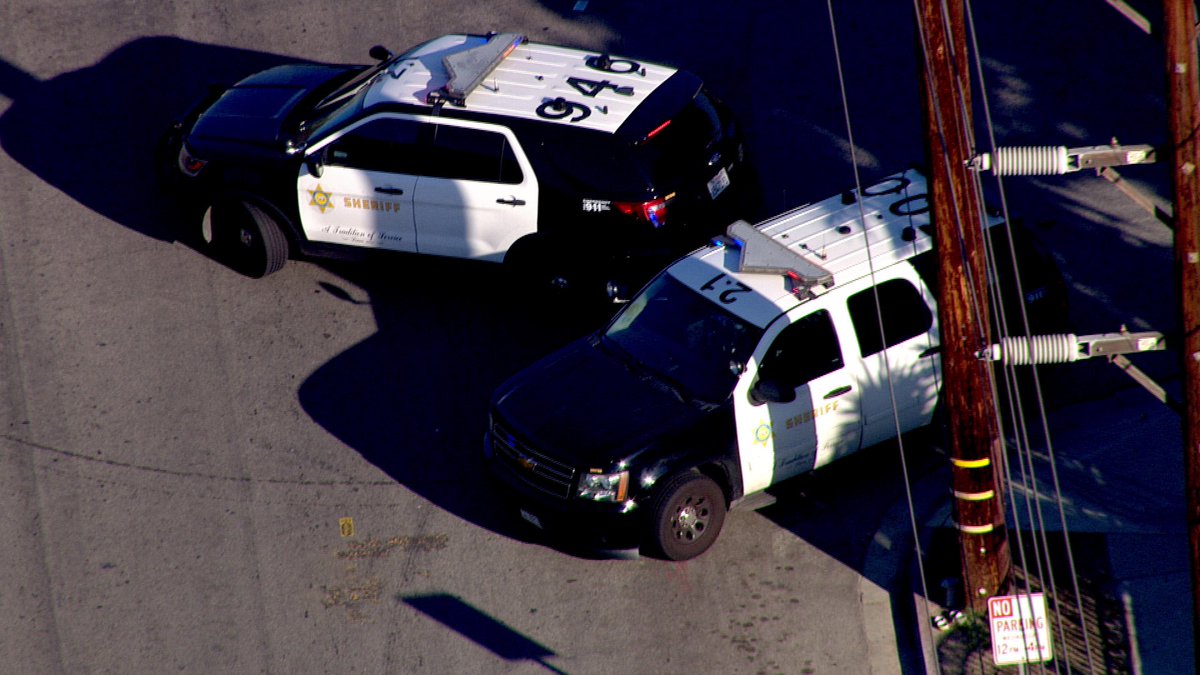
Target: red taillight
{"x":189,"y":165}
{"x":657,"y":130}
{"x":653,"y":211}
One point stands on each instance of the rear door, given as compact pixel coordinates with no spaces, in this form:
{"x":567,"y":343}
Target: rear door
{"x":896,"y":336}
{"x":477,"y":194}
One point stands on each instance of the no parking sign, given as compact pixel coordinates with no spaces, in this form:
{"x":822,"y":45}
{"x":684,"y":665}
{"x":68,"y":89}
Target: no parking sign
{"x":1020,"y":632}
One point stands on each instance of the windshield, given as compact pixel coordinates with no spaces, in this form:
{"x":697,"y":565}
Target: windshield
{"x":336,"y":108}
{"x":683,"y":338}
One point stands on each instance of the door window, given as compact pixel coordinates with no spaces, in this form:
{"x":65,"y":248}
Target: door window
{"x":803,"y":351}
{"x":904,"y":315}
{"x":388,"y":145}
{"x":462,"y":153}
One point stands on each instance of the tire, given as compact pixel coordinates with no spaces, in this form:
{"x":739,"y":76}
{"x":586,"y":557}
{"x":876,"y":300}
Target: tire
{"x":244,"y":236}
{"x":531,"y":262}
{"x":686,"y":516}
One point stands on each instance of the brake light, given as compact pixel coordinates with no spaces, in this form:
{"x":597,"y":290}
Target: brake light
{"x":658,"y":130}
{"x":653,"y":211}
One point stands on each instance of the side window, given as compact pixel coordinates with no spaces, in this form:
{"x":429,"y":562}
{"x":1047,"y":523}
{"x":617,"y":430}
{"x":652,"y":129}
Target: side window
{"x":905,"y":315}
{"x":472,"y":154}
{"x":803,"y":351}
{"x":390,"y":145}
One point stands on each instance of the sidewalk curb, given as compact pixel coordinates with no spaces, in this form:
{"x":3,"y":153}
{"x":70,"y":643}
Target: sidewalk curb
{"x":892,"y":615}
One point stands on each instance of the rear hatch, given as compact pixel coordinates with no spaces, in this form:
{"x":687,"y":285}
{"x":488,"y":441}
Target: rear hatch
{"x":685,"y":143}
{"x":679,"y":149}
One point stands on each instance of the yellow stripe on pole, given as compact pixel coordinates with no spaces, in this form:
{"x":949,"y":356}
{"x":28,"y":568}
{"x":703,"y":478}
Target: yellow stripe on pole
{"x":975,"y":529}
{"x":971,"y":463}
{"x":974,"y":496}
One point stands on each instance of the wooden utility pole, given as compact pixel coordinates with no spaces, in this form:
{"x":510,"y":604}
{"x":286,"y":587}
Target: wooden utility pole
{"x":1180,"y":36}
{"x":963,"y":307}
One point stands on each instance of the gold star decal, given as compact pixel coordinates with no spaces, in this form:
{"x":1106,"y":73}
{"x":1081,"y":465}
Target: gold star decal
{"x":763,"y":433}
{"x":321,"y":199}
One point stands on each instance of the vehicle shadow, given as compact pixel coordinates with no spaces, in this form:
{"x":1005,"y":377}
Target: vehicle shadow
{"x":412,"y":398}
{"x":93,"y":132}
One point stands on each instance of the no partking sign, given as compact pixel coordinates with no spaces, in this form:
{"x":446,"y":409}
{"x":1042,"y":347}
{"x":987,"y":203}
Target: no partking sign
{"x":1020,"y":632}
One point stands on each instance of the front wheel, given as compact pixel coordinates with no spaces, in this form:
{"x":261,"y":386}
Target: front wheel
{"x":686,"y":516}
{"x":244,"y":236}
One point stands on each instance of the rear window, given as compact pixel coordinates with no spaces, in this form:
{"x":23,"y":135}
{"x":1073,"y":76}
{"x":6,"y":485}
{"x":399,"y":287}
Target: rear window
{"x":614,"y":165}
{"x":684,"y":141}
{"x":596,"y":162}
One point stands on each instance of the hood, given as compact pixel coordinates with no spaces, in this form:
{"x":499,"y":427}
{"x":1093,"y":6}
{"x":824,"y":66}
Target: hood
{"x":256,"y":110}
{"x":587,"y":406}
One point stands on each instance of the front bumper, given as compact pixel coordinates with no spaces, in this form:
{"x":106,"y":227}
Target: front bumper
{"x":550,"y":505}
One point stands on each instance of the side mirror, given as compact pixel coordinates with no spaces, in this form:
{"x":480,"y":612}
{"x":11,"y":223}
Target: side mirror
{"x":380,"y":53}
{"x":315,"y":166}
{"x":771,"y":391}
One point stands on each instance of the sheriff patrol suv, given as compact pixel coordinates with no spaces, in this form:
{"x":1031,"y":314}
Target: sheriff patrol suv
{"x":745,"y":363}
{"x":577,"y":164}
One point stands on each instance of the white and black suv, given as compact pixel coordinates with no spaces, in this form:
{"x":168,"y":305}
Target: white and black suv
{"x":579,"y":165}
{"x":751,"y":360}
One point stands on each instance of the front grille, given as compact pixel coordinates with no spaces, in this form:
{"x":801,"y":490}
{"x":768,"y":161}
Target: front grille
{"x":531,"y":467}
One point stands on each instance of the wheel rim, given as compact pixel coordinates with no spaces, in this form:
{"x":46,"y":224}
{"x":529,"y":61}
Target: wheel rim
{"x":691,"y":518}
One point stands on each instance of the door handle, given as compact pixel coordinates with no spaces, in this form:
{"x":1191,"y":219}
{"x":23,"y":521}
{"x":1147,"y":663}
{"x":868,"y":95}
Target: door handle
{"x":839,"y":391}
{"x":511,"y":201}
{"x":389,"y":191}
{"x":936,"y":349}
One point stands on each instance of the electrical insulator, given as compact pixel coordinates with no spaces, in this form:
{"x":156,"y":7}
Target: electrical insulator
{"x":1058,"y":160}
{"x":1031,"y":161}
{"x":1036,"y":350}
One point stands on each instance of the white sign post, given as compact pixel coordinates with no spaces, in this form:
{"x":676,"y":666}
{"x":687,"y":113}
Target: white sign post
{"x":1020,"y":632}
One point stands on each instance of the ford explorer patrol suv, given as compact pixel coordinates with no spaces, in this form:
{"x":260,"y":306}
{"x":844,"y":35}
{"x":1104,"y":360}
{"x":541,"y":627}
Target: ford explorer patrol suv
{"x":747,"y":362}
{"x":577,"y":165}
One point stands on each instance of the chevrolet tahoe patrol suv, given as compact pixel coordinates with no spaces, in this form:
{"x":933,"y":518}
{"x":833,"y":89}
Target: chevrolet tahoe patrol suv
{"x":752,"y":360}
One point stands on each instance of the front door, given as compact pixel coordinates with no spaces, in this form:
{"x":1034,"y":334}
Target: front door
{"x":364,"y":193}
{"x":796,"y":406}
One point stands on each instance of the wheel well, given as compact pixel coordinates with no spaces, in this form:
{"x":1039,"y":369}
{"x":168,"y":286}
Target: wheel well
{"x":280,"y":216}
{"x":720,"y":476}
{"x":523,"y":246}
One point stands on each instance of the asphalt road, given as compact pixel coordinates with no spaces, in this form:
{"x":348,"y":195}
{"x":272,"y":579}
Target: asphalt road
{"x":206,"y":473}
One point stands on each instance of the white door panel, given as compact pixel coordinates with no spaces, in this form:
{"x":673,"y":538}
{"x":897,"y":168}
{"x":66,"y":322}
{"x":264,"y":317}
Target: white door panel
{"x":473,"y":219}
{"x":358,"y":208}
{"x":910,"y":369}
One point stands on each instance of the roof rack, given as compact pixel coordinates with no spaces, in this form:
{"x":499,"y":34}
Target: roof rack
{"x":469,"y":67}
{"x":762,"y":253}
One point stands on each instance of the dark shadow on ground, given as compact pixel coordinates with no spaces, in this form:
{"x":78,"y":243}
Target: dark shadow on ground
{"x":412,"y":399}
{"x":480,"y":628}
{"x":92,"y":132}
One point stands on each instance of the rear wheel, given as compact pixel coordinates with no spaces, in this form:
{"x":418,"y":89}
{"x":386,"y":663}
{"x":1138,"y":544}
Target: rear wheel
{"x":244,"y":236}
{"x":686,"y":516}
{"x":534,"y":265}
